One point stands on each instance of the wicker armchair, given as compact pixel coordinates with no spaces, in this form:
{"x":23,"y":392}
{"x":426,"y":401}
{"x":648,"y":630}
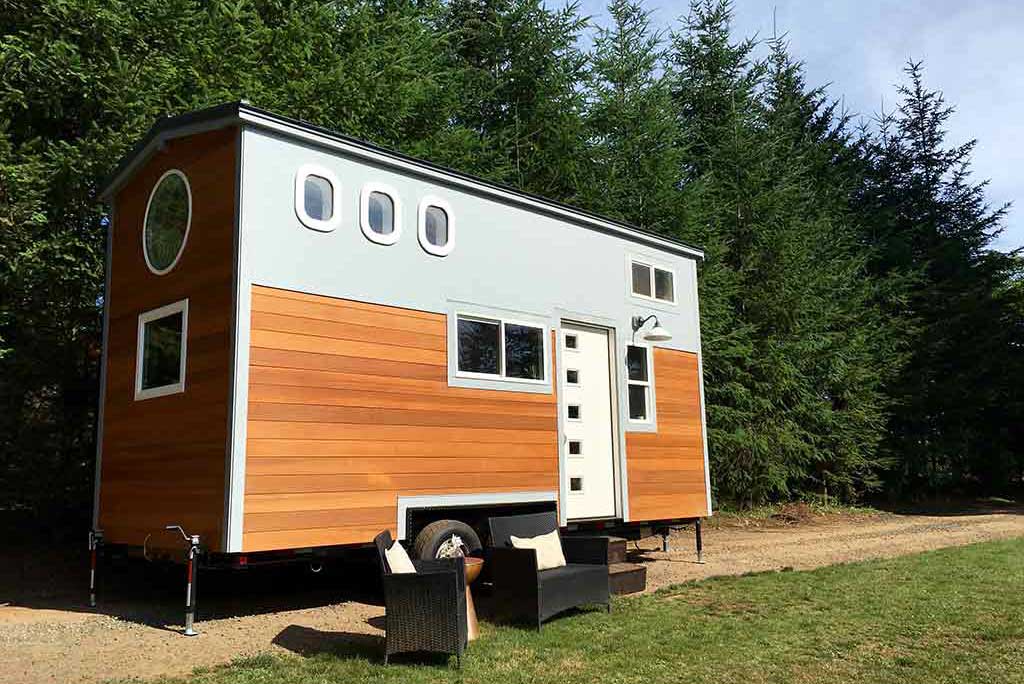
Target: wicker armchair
{"x":425,"y":611}
{"x":522,"y":592}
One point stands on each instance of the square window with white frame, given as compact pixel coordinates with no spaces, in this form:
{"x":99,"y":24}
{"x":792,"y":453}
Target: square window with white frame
{"x":500,"y":349}
{"x":161,"y":351}
{"x":639,"y":383}
{"x":652,"y":282}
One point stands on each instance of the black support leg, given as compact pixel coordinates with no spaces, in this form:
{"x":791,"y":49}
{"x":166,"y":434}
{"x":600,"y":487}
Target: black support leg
{"x":700,"y":542}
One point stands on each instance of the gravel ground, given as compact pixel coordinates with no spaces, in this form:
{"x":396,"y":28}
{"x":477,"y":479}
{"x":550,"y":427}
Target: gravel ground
{"x":48,"y":634}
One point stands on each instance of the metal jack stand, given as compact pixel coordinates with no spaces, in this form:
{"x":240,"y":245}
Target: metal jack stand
{"x":95,"y":542}
{"x":700,"y":542}
{"x":665,"y":547}
{"x":192,"y":581}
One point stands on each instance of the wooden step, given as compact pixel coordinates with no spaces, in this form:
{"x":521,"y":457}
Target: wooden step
{"x":627,"y":578}
{"x":616,"y":550}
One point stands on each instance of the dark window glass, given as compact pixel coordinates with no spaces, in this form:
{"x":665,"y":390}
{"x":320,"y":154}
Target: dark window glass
{"x":524,"y":352}
{"x":575,"y":447}
{"x":636,"y":361}
{"x":663,"y":286}
{"x":319,"y":198}
{"x":571,"y":341}
{"x":479,"y":346}
{"x":574,"y":411}
{"x":637,"y":402}
{"x":381,"y":210}
{"x":642,"y":280}
{"x":436,"y":225}
{"x":166,"y":222}
{"x":161,"y":351}
{"x":572,"y":376}
{"x":576,"y":484}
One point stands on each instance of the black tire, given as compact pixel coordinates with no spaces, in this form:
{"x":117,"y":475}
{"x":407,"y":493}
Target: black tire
{"x":431,"y":537}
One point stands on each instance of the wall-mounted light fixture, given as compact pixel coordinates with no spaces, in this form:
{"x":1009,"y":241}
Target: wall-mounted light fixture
{"x":655,"y":334}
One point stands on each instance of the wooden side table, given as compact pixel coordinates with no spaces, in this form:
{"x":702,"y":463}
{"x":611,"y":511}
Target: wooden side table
{"x":473,"y":567}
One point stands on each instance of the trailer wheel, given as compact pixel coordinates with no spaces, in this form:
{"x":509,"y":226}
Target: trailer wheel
{"x":438,"y":539}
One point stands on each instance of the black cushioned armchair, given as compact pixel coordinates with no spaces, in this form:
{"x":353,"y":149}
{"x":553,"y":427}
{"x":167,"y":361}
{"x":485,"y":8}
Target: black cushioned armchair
{"x":521,"y":592}
{"x":425,"y":611}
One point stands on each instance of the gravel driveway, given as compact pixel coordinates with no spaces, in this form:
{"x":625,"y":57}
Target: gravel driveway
{"x":48,"y":634}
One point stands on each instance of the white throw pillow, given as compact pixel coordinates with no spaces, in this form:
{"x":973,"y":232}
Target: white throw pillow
{"x":398,"y":560}
{"x":548,"y":547}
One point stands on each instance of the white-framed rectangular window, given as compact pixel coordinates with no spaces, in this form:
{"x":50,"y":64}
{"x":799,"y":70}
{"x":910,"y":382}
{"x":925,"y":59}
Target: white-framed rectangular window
{"x":652,"y":282}
{"x":161,"y":351}
{"x":500,"y":349}
{"x":638,"y":381}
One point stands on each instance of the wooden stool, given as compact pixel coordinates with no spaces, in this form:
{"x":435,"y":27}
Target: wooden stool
{"x":473,"y":568}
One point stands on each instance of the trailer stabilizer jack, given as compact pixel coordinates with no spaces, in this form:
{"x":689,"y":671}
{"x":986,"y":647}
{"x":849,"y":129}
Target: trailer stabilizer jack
{"x":700,"y":541}
{"x":95,"y":541}
{"x":191,"y":586}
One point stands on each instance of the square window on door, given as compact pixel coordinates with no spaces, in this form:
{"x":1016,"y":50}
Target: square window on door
{"x":572,"y":376}
{"x":575,"y":447}
{"x":572,"y":341}
{"x":574,"y":411}
{"x":575,"y":484}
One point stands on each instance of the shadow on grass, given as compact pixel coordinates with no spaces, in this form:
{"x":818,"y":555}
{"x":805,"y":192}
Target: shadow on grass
{"x":309,"y":642}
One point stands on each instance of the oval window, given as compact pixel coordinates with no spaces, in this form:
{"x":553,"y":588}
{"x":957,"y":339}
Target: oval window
{"x":381,"y":214}
{"x":318,"y":198}
{"x":168,"y":218}
{"x":436,"y":226}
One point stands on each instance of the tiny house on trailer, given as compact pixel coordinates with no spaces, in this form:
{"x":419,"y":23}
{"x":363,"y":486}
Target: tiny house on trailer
{"x":309,"y":339}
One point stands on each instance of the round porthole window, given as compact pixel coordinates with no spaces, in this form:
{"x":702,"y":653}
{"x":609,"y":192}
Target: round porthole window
{"x":168,"y":218}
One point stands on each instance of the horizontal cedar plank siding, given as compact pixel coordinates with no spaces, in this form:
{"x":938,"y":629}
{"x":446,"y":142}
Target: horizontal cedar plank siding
{"x":163,"y":458}
{"x":342,"y":423}
{"x":666,"y":468}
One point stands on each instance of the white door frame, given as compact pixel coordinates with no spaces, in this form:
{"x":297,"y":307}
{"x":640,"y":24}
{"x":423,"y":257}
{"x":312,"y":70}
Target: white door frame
{"x":616,"y":430}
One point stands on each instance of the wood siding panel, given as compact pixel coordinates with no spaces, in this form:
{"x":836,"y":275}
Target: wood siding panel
{"x":666,"y":468}
{"x":163,"y":458}
{"x":341,"y":424}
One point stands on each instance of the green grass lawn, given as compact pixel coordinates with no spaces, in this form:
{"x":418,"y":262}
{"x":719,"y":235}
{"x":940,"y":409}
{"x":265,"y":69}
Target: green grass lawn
{"x":955,"y":615}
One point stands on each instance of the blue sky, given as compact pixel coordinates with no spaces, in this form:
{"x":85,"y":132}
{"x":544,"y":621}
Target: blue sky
{"x":973,"y":52}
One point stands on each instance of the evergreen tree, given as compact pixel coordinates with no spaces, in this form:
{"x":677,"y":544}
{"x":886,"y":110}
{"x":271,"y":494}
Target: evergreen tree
{"x":519,"y":70}
{"x":960,"y":390}
{"x":634,"y":161}
{"x":797,"y":352}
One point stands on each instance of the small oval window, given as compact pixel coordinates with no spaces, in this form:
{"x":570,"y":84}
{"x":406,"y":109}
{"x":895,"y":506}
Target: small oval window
{"x":168,"y":218}
{"x":319,"y":198}
{"x":436,"y":226}
{"x":381,"y":214}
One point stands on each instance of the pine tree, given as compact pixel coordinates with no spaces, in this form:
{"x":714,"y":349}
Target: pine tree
{"x":933,"y":225}
{"x":519,"y":69}
{"x":794,"y":382}
{"x":634,"y":162}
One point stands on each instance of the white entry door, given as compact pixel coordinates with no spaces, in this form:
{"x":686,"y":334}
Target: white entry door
{"x":586,"y":406}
